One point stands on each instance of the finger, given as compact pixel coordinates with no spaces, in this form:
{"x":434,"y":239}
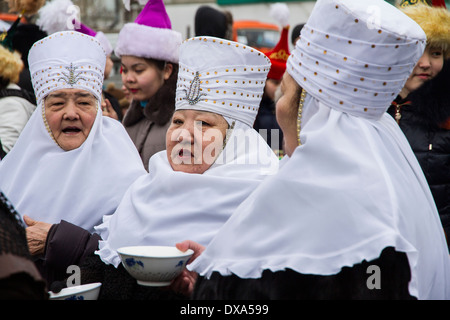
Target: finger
{"x":106,"y":107}
{"x":109,"y":107}
{"x":182,"y":246}
{"x":109,"y":111}
{"x":28,"y":221}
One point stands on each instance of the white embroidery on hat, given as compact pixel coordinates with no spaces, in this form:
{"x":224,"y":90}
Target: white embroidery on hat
{"x":193,"y":95}
{"x":73,"y":77}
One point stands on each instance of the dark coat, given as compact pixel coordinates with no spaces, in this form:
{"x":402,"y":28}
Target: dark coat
{"x":19,"y":278}
{"x":266,"y":119}
{"x":425,"y":119}
{"x":349,"y":283}
{"x":148,"y":136}
{"x":68,"y":244}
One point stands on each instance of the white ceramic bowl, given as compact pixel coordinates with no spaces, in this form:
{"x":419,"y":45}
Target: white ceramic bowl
{"x":88,"y":291}
{"x":154,"y":265}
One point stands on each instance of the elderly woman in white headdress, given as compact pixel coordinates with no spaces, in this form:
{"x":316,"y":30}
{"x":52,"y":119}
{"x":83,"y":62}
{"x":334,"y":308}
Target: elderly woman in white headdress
{"x":70,"y":163}
{"x":214,"y":160}
{"x":349,"y":215}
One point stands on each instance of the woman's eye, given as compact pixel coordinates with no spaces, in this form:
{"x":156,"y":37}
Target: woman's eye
{"x":57,"y":104}
{"x":177,"y":121}
{"x":436,"y":53}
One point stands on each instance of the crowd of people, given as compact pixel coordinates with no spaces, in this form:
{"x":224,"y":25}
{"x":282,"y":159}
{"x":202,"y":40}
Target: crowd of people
{"x":358,"y":176}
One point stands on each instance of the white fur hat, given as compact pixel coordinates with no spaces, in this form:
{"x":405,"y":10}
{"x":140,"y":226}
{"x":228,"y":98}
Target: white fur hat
{"x":150,"y":35}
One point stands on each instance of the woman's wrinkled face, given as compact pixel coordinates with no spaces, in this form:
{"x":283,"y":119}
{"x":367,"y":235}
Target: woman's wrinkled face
{"x":428,"y":66}
{"x":143,"y":78}
{"x":70,"y":114}
{"x":194,"y":140}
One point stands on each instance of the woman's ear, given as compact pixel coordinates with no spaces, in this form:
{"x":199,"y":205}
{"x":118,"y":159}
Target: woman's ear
{"x":168,"y":69}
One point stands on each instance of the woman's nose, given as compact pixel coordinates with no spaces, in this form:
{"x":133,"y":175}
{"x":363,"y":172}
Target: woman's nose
{"x":425,"y":61}
{"x":70,"y":110}
{"x":185,"y":135}
{"x":128,"y":77}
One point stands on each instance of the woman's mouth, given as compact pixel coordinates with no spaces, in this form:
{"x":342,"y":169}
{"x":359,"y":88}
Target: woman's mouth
{"x":133,"y":90}
{"x":71,"y":130}
{"x":184,"y":153}
{"x":423,"y":76}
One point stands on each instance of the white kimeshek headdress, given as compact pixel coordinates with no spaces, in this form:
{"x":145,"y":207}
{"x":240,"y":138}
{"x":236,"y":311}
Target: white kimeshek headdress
{"x":81,"y":185}
{"x":166,"y":206}
{"x":354,"y":186}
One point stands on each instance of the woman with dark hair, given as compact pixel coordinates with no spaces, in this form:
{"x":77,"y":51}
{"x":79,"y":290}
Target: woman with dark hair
{"x":16,"y":104}
{"x":148,"y":50}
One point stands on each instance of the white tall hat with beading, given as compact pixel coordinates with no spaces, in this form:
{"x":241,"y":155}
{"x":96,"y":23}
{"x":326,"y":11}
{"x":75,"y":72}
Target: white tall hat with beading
{"x":66,"y":60}
{"x":354,"y":64}
{"x":221,"y":76}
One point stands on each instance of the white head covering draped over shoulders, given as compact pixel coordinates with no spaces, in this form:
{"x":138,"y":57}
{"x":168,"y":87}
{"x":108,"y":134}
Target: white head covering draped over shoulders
{"x":80,"y":186}
{"x":354,"y":186}
{"x":166,"y":206}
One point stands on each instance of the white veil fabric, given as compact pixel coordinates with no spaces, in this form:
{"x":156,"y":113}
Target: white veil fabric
{"x":80,"y":186}
{"x":354,"y":186}
{"x":166,"y":206}
{"x":319,"y":214}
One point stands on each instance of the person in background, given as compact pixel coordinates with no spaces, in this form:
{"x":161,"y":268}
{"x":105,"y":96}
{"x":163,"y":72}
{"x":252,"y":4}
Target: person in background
{"x":148,"y":52}
{"x":266,"y":123}
{"x":22,"y":34}
{"x":70,"y":162}
{"x":295,"y":35}
{"x":422,"y":109}
{"x":349,"y":215}
{"x":24,"y":37}
{"x":212,"y":22}
{"x":16,"y":105}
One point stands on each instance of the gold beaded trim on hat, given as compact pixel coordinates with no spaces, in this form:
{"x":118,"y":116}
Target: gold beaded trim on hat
{"x":228,"y":134}
{"x":299,"y":116}
{"x":47,"y":126}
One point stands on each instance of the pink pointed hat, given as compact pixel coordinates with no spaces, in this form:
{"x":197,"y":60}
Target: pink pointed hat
{"x":150,"y":35}
{"x":100,"y":36}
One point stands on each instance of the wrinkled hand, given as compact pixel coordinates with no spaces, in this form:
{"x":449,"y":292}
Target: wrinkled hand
{"x":185,"y":282}
{"x":36,"y":232}
{"x":108,"y":110}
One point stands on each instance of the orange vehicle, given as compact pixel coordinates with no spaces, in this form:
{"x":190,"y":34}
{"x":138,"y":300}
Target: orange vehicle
{"x":259,"y":35}
{"x":10,"y":17}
